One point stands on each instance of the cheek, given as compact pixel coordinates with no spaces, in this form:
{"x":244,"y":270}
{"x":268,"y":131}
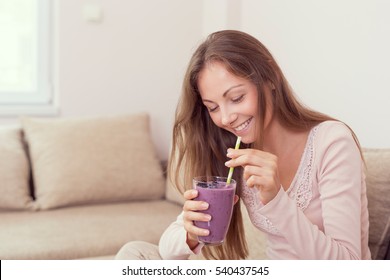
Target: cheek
{"x":252,"y":106}
{"x":216,"y":119}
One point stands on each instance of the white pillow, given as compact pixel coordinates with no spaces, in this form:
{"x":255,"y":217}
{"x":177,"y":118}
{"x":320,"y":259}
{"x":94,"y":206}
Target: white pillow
{"x":93,"y":160}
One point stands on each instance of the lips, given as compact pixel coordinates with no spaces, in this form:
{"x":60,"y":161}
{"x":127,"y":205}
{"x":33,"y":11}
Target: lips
{"x":243,"y":126}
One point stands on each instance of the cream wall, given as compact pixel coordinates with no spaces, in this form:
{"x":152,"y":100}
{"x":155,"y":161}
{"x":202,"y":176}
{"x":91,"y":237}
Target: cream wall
{"x":334,"y":53}
{"x":131,"y":61}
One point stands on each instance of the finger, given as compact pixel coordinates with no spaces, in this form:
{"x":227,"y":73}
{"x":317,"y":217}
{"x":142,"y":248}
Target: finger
{"x":190,"y":194}
{"x":265,"y":171}
{"x":236,"y":199}
{"x":261,"y":181}
{"x":246,"y":159}
{"x":255,"y":159}
{"x":194,"y":230}
{"x":255,"y":181}
{"x":196,"y":216}
{"x":190,"y":217}
{"x":252,"y":170}
{"x":250,"y":157}
{"x":195,"y":205}
{"x":233,"y":153}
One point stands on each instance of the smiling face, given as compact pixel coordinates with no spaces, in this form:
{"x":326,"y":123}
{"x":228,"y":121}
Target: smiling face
{"x":232,"y":101}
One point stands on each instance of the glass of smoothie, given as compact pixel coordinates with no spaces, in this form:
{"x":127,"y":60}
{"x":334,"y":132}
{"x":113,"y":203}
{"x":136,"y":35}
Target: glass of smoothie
{"x":220,"y":197}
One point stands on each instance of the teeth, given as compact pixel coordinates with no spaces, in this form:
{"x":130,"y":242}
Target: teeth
{"x":242,"y":126}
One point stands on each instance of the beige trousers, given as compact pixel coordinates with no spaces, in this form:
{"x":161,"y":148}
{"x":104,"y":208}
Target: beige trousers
{"x":138,"y":250}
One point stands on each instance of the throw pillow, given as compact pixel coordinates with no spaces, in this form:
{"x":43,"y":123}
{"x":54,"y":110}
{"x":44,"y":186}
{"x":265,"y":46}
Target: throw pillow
{"x":378,"y":194}
{"x":93,"y":160}
{"x":172,"y":193}
{"x":14,"y":171}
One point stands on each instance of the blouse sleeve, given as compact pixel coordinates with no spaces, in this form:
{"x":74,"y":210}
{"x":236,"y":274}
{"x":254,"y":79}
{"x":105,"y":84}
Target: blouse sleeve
{"x":338,"y":171}
{"x":173,"y":245}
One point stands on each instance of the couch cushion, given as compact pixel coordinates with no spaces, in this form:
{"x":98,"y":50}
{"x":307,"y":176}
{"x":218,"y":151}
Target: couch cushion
{"x":93,"y":160}
{"x":378,"y":194}
{"x":14,"y":170}
{"x":83,"y":231}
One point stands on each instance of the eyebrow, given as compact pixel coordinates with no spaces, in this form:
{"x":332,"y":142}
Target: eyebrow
{"x":226,"y":92}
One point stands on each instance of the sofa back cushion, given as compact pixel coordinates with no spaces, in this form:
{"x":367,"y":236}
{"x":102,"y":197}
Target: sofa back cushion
{"x":14,"y":171}
{"x":378,"y":195}
{"x":172,"y":193}
{"x":93,"y":160}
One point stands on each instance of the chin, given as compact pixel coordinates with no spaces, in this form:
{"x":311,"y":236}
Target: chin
{"x":247,"y":140}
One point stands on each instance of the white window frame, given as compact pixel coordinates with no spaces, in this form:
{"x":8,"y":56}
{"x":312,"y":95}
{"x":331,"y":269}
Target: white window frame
{"x":41,"y":101}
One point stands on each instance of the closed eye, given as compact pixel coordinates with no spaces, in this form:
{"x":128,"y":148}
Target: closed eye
{"x":213,"y":109}
{"x":238,"y":99}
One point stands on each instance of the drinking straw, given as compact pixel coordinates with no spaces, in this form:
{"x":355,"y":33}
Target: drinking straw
{"x":232,"y":168}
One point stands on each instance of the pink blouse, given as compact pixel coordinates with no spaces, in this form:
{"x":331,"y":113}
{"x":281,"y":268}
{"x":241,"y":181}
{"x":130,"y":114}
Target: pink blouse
{"x":322,"y":215}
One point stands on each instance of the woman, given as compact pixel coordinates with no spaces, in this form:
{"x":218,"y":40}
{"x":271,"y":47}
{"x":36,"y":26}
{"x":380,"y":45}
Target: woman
{"x":299,"y":172}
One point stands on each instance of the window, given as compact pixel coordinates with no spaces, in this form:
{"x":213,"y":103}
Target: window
{"x":26,"y":63}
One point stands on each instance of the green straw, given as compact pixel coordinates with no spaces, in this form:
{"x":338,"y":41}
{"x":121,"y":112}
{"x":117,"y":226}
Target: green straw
{"x":232,"y":168}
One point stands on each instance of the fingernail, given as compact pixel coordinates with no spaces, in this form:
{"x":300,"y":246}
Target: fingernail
{"x":205,"y":232}
{"x":208,"y":218}
{"x":227,"y":163}
{"x":204,"y":205}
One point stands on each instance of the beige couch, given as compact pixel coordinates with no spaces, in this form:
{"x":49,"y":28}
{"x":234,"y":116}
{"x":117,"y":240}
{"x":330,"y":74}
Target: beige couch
{"x":82,"y":188}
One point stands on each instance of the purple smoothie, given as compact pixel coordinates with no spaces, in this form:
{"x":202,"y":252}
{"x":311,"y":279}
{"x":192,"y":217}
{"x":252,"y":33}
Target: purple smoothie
{"x":220,"y":198}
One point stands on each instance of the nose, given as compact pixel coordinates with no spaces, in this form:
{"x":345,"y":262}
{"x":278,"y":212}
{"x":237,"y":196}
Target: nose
{"x":227,"y":117}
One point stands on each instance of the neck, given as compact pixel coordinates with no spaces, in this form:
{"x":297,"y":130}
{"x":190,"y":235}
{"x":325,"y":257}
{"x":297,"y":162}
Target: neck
{"x":280,"y":140}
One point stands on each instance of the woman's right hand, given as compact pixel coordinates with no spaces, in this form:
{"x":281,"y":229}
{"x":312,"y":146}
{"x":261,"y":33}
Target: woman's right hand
{"x":191,"y":213}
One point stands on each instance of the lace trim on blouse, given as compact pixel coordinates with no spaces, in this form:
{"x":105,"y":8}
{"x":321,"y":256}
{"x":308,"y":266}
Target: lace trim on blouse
{"x":300,"y":189}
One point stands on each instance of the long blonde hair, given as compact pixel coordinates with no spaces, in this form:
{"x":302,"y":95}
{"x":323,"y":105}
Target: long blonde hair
{"x":199,"y":146}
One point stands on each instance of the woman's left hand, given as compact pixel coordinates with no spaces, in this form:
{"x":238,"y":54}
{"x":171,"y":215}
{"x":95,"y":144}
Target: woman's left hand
{"x":260,"y":171}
